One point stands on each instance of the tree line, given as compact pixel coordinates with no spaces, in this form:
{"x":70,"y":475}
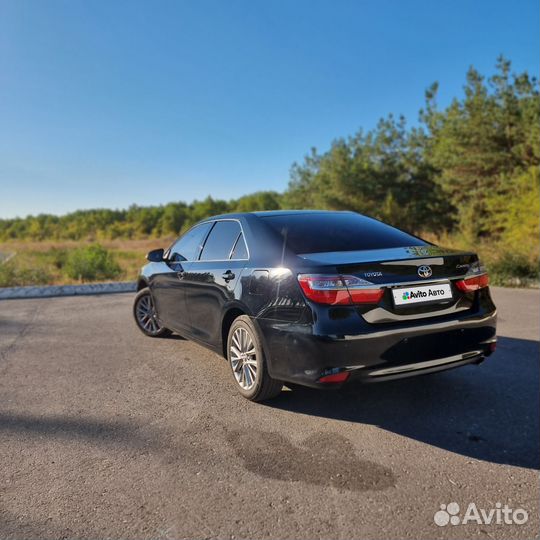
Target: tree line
{"x":470,"y":169}
{"x":134,"y":223}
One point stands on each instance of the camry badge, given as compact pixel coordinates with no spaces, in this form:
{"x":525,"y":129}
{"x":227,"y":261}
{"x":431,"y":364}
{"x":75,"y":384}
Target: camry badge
{"x":424,"y":271}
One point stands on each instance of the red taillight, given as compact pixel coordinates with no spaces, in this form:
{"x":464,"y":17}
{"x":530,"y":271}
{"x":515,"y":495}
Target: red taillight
{"x":335,"y":377}
{"x":473,"y":283}
{"x":338,"y":290}
{"x":324,"y":289}
{"x":366,"y":296}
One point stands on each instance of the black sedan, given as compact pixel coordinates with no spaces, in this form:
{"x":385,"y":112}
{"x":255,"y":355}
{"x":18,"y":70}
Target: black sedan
{"x":317,"y":298}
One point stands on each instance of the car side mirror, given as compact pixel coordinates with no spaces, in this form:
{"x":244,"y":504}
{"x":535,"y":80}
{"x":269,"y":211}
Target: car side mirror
{"x":156,"y":255}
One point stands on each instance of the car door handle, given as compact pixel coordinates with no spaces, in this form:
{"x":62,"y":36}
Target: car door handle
{"x":228,"y":275}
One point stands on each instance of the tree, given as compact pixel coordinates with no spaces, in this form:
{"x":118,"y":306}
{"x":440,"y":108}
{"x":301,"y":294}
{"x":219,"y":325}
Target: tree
{"x":172,"y":219}
{"x":479,"y":144}
{"x":260,"y":200}
{"x":381,"y":173}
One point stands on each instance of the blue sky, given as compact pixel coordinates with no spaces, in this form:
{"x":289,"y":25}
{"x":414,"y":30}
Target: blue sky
{"x":109,"y":103}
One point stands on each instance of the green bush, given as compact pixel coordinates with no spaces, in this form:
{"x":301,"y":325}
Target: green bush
{"x":91,"y":263}
{"x":58,"y":257}
{"x":514,"y":269}
{"x":12,"y":275}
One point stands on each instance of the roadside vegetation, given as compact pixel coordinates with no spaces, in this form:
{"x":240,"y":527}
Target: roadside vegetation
{"x":70,"y":262}
{"x":467,"y":176}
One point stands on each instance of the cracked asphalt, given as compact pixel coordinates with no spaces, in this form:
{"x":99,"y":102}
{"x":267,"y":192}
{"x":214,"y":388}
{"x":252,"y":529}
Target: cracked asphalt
{"x":105,"y":433}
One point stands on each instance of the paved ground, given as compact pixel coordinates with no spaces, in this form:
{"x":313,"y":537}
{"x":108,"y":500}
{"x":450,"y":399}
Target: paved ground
{"x":107,"y":433}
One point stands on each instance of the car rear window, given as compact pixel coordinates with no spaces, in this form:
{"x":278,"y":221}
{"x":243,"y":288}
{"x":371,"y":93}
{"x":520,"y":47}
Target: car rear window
{"x":220,"y":241}
{"x":319,"y":233}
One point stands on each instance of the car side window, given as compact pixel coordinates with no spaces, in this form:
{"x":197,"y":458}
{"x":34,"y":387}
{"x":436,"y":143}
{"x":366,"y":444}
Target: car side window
{"x":220,"y":241}
{"x":240,"y":249}
{"x":188,"y":247}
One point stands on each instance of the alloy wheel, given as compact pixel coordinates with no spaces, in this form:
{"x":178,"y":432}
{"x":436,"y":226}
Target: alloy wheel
{"x":146,"y":315}
{"x":243,"y":357}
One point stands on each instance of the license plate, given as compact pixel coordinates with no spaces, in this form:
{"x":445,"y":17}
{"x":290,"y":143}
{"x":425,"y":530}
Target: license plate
{"x":424,"y":293}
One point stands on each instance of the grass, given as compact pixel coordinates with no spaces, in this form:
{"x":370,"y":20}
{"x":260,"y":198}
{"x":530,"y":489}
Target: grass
{"x":70,"y":262}
{"x":61,"y":263}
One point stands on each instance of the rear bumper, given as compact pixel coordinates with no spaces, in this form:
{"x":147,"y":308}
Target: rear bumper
{"x":420,"y":368}
{"x":378,"y":352}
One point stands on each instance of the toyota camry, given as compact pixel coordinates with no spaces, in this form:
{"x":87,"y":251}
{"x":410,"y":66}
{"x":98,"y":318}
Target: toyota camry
{"x":317,"y":298}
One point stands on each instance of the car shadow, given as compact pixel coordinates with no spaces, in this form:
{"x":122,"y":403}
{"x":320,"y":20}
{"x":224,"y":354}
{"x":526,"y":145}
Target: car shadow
{"x":488,"y":412}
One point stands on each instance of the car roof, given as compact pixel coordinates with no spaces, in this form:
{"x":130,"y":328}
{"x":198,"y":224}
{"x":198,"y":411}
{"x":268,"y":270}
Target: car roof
{"x":268,"y":213}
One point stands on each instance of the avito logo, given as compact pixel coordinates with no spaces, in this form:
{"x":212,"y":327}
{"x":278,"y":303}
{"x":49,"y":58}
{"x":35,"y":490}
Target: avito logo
{"x":415,"y":294}
{"x":422,"y":294}
{"x":450,"y":514}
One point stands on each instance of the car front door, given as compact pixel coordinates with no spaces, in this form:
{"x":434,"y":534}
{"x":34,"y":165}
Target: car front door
{"x":210,"y":281}
{"x":167,"y":287}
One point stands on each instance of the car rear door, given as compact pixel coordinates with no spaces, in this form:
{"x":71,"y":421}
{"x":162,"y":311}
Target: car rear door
{"x":211,"y":280}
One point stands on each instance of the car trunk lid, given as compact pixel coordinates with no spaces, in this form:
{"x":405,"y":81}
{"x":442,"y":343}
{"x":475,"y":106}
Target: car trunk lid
{"x":406,"y":274}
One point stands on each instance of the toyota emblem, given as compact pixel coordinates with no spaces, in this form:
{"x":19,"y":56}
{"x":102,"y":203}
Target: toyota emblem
{"x":424,"y":271}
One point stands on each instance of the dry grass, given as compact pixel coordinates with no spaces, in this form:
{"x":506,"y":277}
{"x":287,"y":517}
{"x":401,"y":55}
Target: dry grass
{"x":140,"y":246}
{"x":40,"y":263}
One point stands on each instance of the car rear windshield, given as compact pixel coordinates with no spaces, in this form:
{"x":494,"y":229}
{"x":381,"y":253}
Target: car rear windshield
{"x":319,"y":233}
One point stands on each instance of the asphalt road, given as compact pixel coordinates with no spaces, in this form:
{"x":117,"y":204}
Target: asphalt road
{"x":107,"y":433}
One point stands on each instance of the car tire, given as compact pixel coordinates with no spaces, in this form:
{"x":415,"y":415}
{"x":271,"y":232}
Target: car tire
{"x":145,"y":315}
{"x":248,"y":363}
